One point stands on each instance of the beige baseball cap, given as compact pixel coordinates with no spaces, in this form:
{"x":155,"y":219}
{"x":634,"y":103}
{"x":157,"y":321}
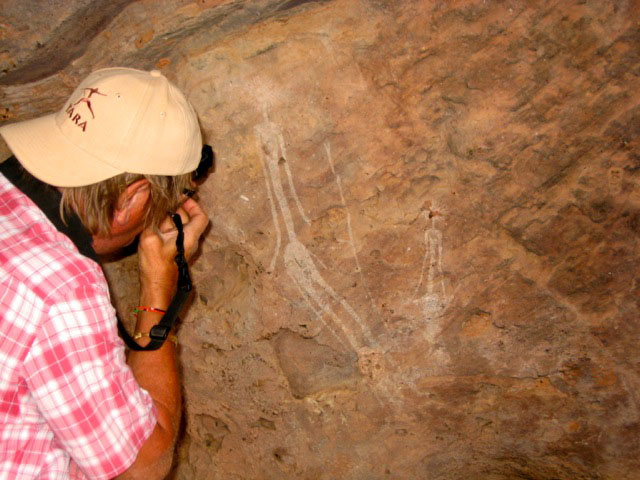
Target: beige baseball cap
{"x":117,"y":120}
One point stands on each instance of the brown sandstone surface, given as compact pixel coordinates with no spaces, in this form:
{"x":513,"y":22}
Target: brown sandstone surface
{"x":423,"y":253}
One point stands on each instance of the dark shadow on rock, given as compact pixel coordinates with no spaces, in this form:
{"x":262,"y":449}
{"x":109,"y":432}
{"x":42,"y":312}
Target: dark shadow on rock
{"x":68,"y":42}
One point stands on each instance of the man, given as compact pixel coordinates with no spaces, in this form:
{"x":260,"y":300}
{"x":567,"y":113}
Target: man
{"x":113,"y":161}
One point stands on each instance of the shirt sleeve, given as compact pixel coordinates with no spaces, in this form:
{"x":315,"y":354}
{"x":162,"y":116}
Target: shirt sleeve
{"x":77,"y":373}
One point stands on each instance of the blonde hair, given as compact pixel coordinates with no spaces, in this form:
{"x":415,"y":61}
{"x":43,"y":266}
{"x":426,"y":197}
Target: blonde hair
{"x":96,"y":204}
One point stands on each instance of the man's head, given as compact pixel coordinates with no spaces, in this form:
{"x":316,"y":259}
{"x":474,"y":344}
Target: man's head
{"x":115,"y":210}
{"x":123,"y":136}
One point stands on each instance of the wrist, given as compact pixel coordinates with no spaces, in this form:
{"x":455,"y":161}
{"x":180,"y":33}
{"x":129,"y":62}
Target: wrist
{"x":156,"y":297}
{"x":147,"y":319}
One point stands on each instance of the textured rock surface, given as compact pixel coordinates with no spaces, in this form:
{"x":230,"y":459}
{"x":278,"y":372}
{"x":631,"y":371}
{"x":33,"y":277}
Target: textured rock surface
{"x":423,"y":257}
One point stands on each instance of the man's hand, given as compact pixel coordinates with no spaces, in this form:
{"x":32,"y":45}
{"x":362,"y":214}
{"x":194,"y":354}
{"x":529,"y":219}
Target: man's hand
{"x":157,"y":251}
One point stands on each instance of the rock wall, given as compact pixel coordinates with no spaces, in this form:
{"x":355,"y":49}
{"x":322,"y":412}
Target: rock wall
{"x":423,"y":256}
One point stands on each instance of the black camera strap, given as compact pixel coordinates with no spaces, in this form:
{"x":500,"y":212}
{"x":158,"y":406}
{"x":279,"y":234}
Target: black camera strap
{"x":159,"y":333}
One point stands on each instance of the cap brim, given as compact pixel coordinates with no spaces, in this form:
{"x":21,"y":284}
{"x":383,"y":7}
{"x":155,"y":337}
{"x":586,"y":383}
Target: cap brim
{"x":47,"y":154}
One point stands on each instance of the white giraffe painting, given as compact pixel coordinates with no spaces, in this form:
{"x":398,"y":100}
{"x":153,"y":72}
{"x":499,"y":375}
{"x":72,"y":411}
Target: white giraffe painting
{"x":299,"y":262}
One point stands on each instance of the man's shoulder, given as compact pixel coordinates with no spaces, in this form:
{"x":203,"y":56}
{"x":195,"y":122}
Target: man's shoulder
{"x":34,"y":252}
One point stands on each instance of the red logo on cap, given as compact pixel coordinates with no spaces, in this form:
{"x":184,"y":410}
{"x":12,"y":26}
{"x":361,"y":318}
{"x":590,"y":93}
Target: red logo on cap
{"x":76,"y":117}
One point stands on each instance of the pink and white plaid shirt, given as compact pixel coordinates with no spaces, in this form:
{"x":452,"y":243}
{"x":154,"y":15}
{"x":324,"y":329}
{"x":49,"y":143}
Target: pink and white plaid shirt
{"x":70,"y":406}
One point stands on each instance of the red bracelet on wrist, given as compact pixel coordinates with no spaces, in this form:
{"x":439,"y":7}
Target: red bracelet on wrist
{"x":143,"y":308}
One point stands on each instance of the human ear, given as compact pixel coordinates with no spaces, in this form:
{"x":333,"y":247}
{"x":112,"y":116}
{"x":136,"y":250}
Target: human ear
{"x":132,"y":201}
